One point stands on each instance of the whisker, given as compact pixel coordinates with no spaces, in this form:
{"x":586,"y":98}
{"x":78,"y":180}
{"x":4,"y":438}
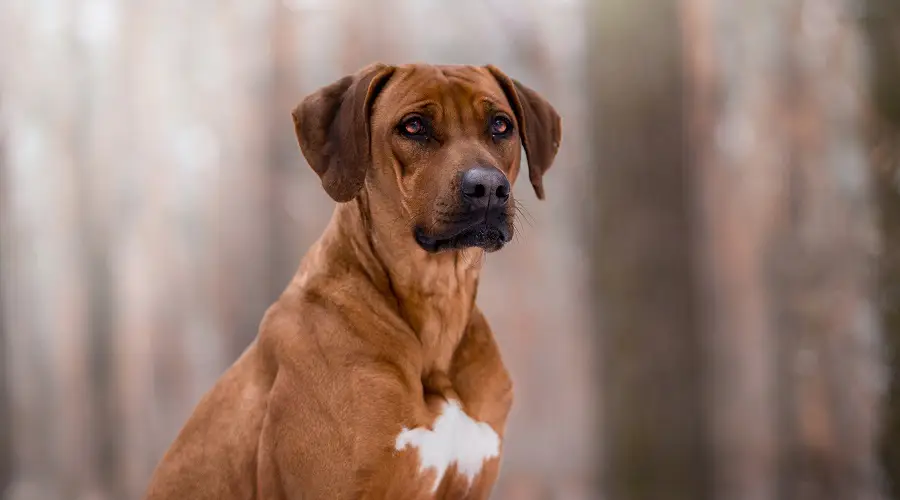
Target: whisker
{"x":518,"y":235}
{"x":467,"y":258}
{"x":524,"y":219}
{"x":521,"y":210}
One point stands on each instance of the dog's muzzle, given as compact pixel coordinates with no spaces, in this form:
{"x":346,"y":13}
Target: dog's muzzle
{"x":483,"y":219}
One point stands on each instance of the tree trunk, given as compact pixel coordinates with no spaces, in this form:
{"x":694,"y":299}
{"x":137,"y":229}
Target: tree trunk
{"x":6,"y":444}
{"x":882,"y":23}
{"x":734,"y":270}
{"x":650,"y":345}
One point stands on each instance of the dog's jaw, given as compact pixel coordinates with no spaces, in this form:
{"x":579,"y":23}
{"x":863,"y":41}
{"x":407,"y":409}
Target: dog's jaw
{"x":491,"y":234}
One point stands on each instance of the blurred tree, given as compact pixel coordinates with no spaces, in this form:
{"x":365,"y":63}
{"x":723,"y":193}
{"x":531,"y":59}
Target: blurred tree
{"x":882,"y":23}
{"x":735,"y":251}
{"x":283,"y":154}
{"x":650,"y":351}
{"x":6,"y":447}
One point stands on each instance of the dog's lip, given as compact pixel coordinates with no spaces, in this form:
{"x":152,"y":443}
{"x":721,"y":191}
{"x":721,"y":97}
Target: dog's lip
{"x":425,"y":241}
{"x":433,"y":244}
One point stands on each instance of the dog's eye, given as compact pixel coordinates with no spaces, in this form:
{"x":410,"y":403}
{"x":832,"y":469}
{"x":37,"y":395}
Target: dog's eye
{"x":413,"y":127}
{"x":500,"y":126}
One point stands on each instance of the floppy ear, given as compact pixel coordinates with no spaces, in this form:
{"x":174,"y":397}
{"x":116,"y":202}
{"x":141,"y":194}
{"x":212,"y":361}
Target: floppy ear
{"x":540,"y":127}
{"x":332,"y":126}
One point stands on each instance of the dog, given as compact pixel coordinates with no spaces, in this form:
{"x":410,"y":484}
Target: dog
{"x":375,"y":375}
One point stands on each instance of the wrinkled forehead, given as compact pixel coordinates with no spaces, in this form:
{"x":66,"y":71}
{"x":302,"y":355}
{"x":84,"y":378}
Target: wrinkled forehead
{"x":442,"y":89}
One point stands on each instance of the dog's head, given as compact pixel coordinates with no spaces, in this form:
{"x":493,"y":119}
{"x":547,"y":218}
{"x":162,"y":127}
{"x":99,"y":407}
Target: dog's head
{"x":438,"y":146}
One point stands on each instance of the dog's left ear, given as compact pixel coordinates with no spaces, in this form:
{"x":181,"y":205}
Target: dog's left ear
{"x":332,"y":126}
{"x":540,"y":127}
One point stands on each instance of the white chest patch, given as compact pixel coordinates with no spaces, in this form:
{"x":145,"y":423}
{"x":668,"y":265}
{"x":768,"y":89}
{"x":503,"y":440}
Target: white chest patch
{"x":455,"y":438}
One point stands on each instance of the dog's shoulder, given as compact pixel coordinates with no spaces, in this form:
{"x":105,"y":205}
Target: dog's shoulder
{"x":344,"y":330}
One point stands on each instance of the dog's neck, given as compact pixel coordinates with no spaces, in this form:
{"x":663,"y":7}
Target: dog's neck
{"x":435,"y":293}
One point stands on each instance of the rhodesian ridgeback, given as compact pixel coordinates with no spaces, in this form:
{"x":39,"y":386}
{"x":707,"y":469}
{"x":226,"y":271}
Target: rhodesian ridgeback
{"x":375,"y":375}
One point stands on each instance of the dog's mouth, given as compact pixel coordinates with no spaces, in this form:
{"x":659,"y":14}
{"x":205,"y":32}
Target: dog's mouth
{"x":491,"y":235}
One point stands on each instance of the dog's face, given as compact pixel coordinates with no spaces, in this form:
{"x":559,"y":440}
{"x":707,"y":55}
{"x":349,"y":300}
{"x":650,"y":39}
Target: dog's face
{"x":445,"y":147}
{"x":437,"y":146}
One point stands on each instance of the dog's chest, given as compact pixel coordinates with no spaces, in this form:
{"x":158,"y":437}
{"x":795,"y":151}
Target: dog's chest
{"x":455,"y":441}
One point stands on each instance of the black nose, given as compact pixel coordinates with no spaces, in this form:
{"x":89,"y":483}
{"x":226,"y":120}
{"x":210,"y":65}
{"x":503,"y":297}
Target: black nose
{"x":485,"y":186}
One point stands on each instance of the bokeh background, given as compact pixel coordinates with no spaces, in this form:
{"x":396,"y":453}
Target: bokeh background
{"x":705,"y":306}
{"x":155,"y":202}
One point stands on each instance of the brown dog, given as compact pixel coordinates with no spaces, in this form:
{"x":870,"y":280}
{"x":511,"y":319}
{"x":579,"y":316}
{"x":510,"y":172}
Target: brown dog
{"x":375,"y":375}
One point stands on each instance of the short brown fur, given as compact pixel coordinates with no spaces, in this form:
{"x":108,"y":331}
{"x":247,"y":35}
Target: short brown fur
{"x":373,"y":331}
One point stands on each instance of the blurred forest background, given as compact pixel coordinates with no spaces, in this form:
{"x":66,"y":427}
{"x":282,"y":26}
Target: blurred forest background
{"x":155,"y":202}
{"x":706,"y":306}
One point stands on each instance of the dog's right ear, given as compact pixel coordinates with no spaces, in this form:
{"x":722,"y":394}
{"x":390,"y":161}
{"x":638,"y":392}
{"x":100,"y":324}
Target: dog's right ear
{"x":332,"y":126}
